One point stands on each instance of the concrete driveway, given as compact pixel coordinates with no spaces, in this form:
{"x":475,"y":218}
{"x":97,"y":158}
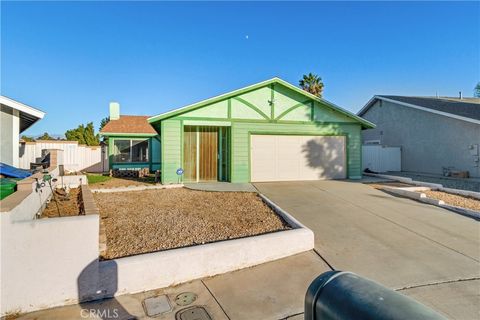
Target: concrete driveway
{"x":423,"y":251}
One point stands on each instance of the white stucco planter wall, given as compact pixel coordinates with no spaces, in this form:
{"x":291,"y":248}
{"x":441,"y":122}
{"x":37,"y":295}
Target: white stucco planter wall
{"x":162,"y":269}
{"x":42,"y":259}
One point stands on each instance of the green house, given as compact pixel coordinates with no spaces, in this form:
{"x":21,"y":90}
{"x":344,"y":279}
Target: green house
{"x":269,"y":131}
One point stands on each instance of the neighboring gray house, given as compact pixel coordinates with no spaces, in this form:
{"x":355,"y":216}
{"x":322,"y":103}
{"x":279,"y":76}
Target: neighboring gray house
{"x":15,"y":117}
{"x":434,"y":133}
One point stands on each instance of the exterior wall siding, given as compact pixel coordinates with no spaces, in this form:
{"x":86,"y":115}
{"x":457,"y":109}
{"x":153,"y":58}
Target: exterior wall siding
{"x":10,"y":136}
{"x":429,"y":141}
{"x":171,"y":141}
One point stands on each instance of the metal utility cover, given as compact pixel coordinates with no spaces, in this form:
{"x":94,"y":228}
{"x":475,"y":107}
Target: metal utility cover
{"x":195,"y":313}
{"x":158,"y":305}
{"x":185,"y":298}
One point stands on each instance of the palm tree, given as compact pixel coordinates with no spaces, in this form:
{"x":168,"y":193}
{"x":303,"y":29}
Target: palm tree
{"x":312,"y":83}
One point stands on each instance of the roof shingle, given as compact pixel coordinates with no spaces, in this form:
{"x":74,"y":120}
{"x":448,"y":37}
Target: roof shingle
{"x":129,"y":124}
{"x":466,"y":107}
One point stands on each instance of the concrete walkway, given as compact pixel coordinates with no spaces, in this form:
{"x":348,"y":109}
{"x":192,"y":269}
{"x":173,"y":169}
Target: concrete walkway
{"x":221,"y":186}
{"x":424,"y":251}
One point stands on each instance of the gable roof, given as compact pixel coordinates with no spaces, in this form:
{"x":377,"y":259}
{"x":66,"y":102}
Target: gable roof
{"x":174,"y":112}
{"x":467,"y":109}
{"x":128,"y":125}
{"x":28,"y":115}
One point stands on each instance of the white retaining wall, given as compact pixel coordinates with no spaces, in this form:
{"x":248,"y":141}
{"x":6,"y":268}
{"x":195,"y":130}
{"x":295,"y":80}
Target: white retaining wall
{"x":41,"y":260}
{"x":75,"y":157}
{"x":381,"y":159}
{"x":162,"y":269}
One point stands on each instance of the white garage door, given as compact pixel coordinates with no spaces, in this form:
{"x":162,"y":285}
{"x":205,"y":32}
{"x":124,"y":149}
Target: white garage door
{"x":287,"y":158}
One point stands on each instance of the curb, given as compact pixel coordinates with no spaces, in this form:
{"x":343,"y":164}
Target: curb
{"x":434,"y":186}
{"x":422,"y":197}
{"x":136,"y":188}
{"x":464,"y":212}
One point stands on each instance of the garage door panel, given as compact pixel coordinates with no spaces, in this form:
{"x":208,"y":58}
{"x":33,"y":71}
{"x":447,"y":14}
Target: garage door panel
{"x":289,"y":158}
{"x":286,"y":155}
{"x":324,"y":157}
{"x":263,"y":168}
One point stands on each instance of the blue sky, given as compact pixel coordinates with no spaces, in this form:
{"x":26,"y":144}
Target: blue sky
{"x":71,"y":58}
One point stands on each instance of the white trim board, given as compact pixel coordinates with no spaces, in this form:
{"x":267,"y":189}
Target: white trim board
{"x":409,"y":105}
{"x":21,"y":107}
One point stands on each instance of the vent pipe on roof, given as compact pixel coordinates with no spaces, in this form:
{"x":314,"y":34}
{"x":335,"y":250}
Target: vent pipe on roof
{"x":460,"y":95}
{"x":114,"y":111}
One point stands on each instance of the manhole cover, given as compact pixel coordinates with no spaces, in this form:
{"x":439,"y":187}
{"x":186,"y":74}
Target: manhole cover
{"x":155,"y":306}
{"x":194,"y":313}
{"x":185,"y":298}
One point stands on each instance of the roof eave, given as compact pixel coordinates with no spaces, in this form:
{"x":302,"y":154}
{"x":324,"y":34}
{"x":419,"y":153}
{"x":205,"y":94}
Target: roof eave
{"x":375,"y":98}
{"x":365,"y":124}
{"x":22,"y":107}
{"x":190,"y":107}
{"x":126,"y":134}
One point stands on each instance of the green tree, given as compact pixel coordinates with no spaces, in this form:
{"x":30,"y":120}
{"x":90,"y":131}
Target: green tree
{"x":312,"y":83}
{"x":476,"y":91}
{"x":46,"y":136}
{"x":84,"y":135}
{"x":103,"y":123}
{"x":27,"y":138}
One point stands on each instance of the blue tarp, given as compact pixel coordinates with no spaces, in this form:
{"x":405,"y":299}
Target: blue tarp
{"x":12,"y":172}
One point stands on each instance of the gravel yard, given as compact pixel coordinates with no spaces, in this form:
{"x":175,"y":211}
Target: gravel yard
{"x":454,"y":200}
{"x":152,"y":220}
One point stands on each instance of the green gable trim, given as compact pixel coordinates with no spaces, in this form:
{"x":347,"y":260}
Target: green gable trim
{"x":251,"y":106}
{"x":140,"y":135}
{"x":300,"y":104}
{"x":271,"y":83}
{"x":214,"y":123}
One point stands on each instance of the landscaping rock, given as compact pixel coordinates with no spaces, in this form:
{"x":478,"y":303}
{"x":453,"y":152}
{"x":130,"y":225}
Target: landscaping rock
{"x":153,"y":220}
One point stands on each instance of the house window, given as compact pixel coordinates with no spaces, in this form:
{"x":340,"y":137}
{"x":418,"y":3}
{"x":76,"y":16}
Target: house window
{"x":130,"y":150}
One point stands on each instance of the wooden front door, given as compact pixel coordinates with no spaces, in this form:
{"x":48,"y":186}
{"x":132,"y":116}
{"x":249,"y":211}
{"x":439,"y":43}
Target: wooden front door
{"x":208,"y":153}
{"x":200,"y":156}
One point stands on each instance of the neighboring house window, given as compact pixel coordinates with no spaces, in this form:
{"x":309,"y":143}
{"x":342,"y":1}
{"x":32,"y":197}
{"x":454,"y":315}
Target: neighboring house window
{"x":130,"y":150}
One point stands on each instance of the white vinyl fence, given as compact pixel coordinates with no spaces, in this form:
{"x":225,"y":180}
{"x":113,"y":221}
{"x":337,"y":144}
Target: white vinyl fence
{"x":381,"y":159}
{"x":76,"y":157}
